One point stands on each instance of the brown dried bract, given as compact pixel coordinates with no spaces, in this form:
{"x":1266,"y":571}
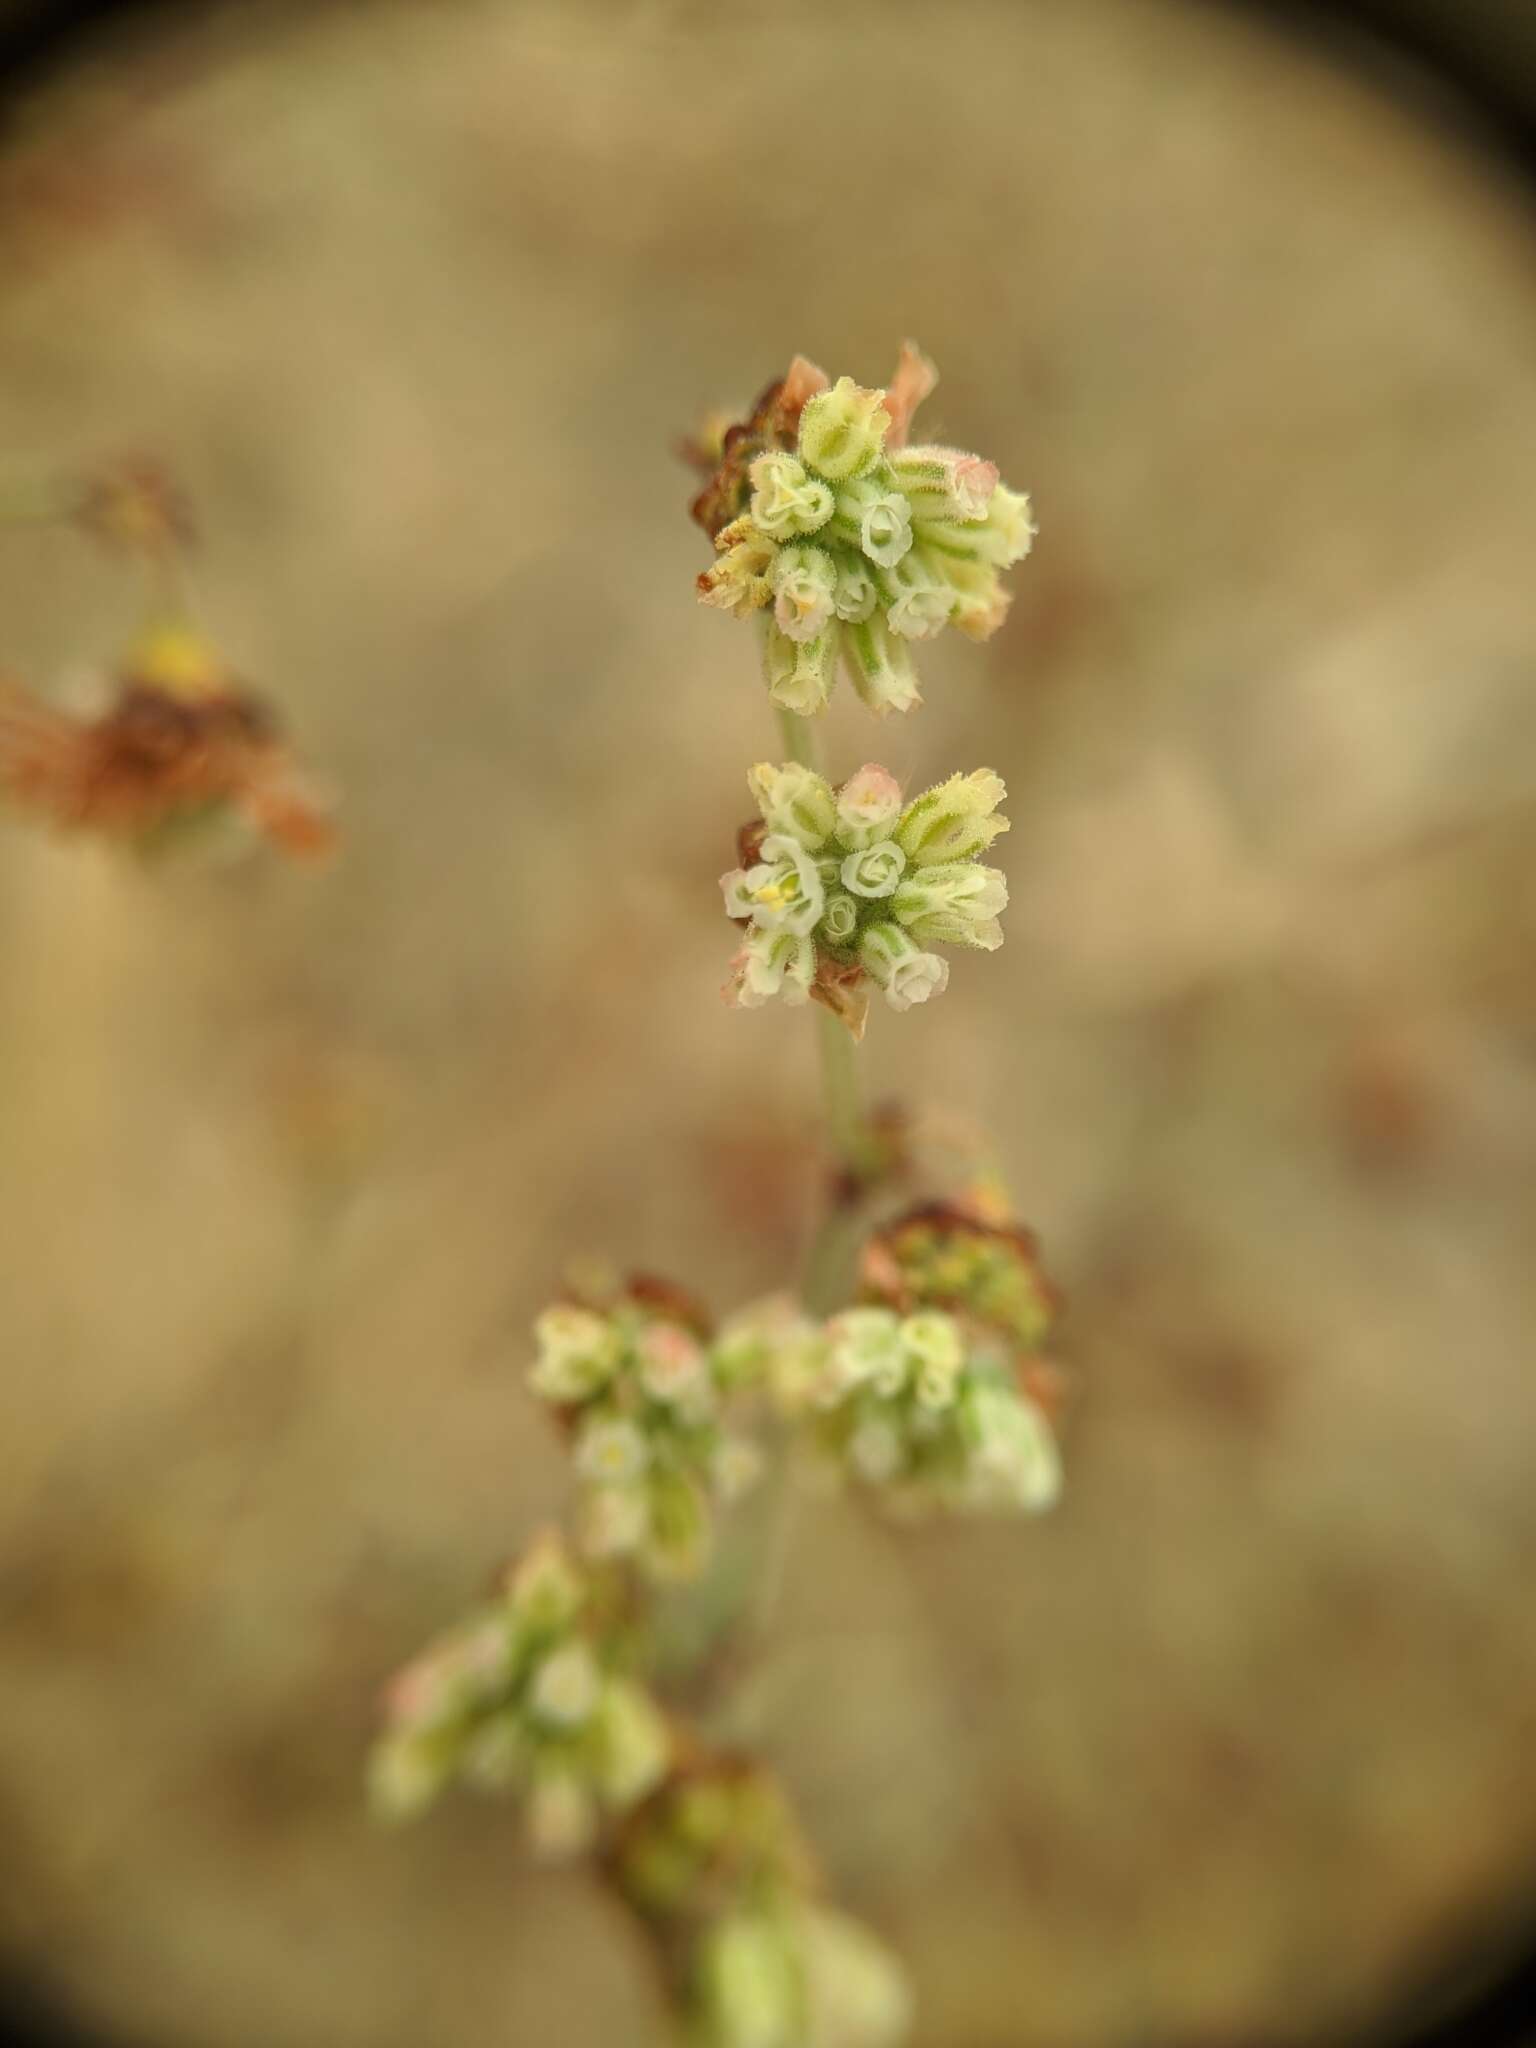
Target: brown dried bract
{"x":773,"y":422}
{"x":157,"y":758}
{"x":674,"y":1304}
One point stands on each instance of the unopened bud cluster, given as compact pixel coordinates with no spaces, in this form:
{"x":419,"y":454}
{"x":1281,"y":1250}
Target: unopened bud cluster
{"x":855,"y":883}
{"x":527,"y":1695}
{"x":642,"y":1391}
{"x":853,"y":544}
{"x":715,"y":1865}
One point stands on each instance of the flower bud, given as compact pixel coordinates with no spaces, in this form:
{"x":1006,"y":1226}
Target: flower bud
{"x":1010,"y":526}
{"x":874,"y":870}
{"x":803,"y":580}
{"x":799,"y":672}
{"x":544,"y":1588}
{"x":673,"y":1369}
{"x":794,"y":799}
{"x":954,"y":821}
{"x":785,"y":501}
{"x":945,"y":483}
{"x":842,"y":431}
{"x":881,"y":666}
{"x":953,"y":903}
{"x":868,"y":805}
{"x":840,"y":918}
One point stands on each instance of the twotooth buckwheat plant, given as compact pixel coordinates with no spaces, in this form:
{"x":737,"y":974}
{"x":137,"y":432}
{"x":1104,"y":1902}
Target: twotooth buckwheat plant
{"x":908,"y":1364}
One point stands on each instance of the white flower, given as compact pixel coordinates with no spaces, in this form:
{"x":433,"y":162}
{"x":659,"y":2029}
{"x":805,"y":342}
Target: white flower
{"x":885,"y":530}
{"x":772,"y":964}
{"x":610,"y":1452}
{"x":906,"y":974}
{"x":855,"y":596}
{"x":782,"y":892}
{"x":803,"y":581}
{"x":920,"y":611}
{"x":565,"y":1689}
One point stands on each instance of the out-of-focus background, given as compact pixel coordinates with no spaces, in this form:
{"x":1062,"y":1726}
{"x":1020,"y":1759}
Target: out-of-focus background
{"x":416,"y":299}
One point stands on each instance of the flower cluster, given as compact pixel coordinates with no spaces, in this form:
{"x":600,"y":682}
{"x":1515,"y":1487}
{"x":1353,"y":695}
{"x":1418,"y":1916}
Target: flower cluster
{"x":525,"y":1695}
{"x":848,"y":885}
{"x":641,"y":1386}
{"x":852,"y":543}
{"x":924,"y":1409}
{"x":940,"y":1255}
{"x":715,"y":1866}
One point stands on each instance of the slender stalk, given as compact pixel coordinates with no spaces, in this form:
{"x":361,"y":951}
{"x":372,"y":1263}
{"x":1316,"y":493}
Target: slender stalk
{"x":798,"y":736}
{"x":33,"y":504}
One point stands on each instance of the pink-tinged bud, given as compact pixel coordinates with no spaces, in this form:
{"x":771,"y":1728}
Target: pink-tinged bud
{"x":868,"y":805}
{"x":946,"y":483}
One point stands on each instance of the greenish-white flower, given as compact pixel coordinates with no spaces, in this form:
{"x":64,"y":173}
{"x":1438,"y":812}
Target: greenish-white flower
{"x":610,"y":1451}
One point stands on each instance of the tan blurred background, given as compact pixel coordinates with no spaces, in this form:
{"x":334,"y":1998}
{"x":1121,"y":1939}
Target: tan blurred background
{"x":416,"y":298}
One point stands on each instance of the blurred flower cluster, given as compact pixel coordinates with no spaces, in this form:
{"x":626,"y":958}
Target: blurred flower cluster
{"x":848,"y":541}
{"x":528,"y":1694}
{"x":641,"y":1386}
{"x":842,"y":887}
{"x":715,"y":1866}
{"x":179,"y":743}
{"x":932,"y":1393}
